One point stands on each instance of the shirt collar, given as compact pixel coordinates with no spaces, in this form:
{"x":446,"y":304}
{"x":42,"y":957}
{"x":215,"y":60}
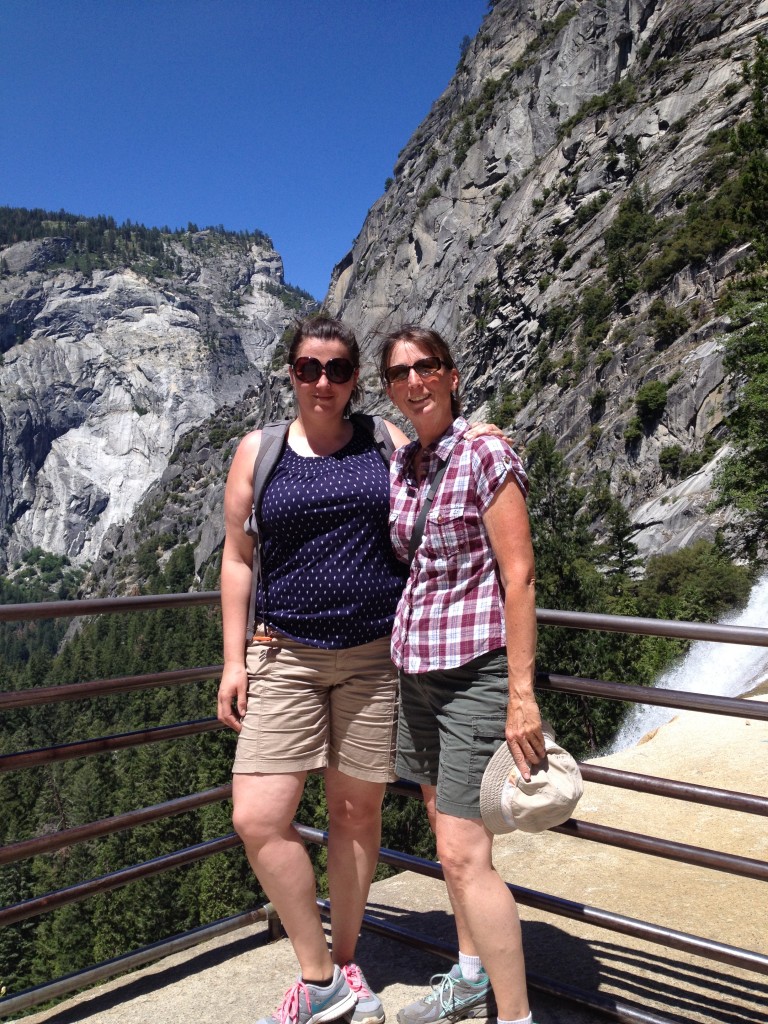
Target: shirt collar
{"x":447,"y":441}
{"x":441,"y":447}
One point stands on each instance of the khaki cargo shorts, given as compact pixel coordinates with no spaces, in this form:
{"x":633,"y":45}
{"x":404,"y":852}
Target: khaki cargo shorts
{"x":309,"y":707}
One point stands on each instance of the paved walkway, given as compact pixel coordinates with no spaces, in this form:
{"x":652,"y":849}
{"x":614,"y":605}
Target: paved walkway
{"x":234,"y":979}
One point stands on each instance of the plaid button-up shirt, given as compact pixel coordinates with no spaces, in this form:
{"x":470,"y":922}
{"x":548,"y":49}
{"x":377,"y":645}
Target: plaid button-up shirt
{"x":452,"y":608}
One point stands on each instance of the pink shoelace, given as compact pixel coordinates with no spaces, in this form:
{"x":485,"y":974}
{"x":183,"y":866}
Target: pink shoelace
{"x":354,"y":978}
{"x":288,"y":1011}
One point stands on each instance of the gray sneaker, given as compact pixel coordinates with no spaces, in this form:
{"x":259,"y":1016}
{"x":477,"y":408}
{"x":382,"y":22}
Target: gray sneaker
{"x":452,"y":998}
{"x":369,"y":1009}
{"x":311,"y":1004}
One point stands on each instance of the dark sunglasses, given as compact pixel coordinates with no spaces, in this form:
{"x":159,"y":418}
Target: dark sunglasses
{"x":426,"y":367}
{"x":308,"y":369}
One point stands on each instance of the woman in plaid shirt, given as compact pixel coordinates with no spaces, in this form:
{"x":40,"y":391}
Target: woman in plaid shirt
{"x":464,"y":642}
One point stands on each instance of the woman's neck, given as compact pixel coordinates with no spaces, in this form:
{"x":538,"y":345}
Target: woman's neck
{"x":317,"y":437}
{"x":429,"y":433}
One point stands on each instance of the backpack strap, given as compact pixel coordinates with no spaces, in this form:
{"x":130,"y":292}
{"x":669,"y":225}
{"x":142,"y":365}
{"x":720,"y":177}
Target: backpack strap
{"x":273,"y":437}
{"x":426,"y":505}
{"x":378,"y":430}
{"x":273,"y":440}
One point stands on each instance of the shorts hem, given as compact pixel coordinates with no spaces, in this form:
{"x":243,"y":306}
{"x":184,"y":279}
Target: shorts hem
{"x":457,"y":810}
{"x":250,"y":767}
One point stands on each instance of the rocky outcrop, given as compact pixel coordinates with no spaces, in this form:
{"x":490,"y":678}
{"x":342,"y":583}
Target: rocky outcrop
{"x":104,"y":374}
{"x":123,"y":390}
{"x":493,"y":230}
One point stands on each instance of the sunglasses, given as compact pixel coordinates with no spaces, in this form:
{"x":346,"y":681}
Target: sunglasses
{"x":426,"y":367}
{"x":308,"y":369}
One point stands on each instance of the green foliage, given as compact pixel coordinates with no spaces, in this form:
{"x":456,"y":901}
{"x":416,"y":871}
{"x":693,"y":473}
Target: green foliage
{"x":587,"y":211}
{"x":558,"y":249}
{"x":504,"y":406}
{"x":621,"y":95}
{"x":742,"y":480}
{"x":669,"y":459}
{"x":633,"y":432}
{"x":698,"y":583}
{"x":100,"y":242}
{"x":580,"y":570}
{"x":668,"y":324}
{"x":650,"y":402}
{"x":627,"y":242}
{"x":733,"y":206}
{"x":558,"y":319}
{"x":595,"y":308}
{"x":426,"y":197}
{"x":464,"y":142}
{"x":291,"y":297}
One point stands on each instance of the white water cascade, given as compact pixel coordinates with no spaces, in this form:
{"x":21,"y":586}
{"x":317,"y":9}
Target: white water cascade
{"x":726,"y":670}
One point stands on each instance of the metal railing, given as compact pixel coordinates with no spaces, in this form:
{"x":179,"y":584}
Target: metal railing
{"x":46,"y":844}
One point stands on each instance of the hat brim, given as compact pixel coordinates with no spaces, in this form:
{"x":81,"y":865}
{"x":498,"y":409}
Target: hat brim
{"x":562,"y":796}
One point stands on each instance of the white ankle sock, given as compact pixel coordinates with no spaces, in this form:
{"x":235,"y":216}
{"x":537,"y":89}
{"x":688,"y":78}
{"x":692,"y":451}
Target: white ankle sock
{"x":470,"y":966}
{"x":523,"y":1020}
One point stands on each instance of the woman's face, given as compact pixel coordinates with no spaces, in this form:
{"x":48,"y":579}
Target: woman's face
{"x":425,"y":400}
{"x":322,"y":395}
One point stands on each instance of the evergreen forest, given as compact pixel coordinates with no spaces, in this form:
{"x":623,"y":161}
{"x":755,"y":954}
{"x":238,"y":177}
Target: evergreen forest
{"x":586,"y":561}
{"x":575,"y":570}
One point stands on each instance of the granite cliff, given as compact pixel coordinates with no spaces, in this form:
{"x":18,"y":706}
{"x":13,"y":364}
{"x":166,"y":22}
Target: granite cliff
{"x":105,"y":374}
{"x":546,"y":216}
{"x":511,"y":209}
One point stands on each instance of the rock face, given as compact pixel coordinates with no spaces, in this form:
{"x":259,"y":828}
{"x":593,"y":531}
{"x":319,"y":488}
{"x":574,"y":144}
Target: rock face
{"x":122,"y":394}
{"x":493,"y":228}
{"x":103,"y":374}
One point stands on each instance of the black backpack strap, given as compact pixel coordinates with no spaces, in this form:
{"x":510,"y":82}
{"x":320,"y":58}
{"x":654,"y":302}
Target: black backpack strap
{"x":378,"y":430}
{"x":418,"y":529}
{"x":273,"y":436}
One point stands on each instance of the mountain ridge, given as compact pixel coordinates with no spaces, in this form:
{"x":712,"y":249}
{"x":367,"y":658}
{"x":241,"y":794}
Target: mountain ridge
{"x":562,"y":215}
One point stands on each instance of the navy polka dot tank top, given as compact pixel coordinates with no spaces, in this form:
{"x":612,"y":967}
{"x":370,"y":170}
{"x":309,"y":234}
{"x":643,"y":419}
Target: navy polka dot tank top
{"x":329,"y":577}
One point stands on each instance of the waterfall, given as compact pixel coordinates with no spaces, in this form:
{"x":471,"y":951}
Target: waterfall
{"x":727,"y":670}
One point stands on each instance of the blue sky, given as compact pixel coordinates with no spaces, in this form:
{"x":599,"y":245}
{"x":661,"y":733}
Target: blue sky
{"x":285,"y":116}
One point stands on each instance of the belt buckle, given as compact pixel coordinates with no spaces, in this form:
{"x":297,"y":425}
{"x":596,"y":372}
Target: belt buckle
{"x":266,"y":638}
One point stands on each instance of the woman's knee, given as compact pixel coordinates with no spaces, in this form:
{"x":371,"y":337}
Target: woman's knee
{"x":463,"y":851}
{"x":354,"y":804}
{"x":264,"y":807}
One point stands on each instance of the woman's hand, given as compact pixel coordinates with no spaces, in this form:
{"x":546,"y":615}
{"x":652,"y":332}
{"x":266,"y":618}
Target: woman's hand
{"x":233,"y":696}
{"x":483,"y":430}
{"x":525,"y":738}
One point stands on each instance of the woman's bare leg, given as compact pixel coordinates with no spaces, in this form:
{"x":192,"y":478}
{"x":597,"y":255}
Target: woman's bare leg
{"x":354,"y":837}
{"x":486,"y":914}
{"x":264,"y":808}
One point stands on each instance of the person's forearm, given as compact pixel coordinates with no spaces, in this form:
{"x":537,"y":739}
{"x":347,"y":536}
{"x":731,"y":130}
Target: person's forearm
{"x":236,"y":582}
{"x":520,"y":623}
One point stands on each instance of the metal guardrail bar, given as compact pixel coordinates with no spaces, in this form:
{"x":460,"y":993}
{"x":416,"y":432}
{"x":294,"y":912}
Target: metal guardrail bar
{"x":736,"y":707}
{"x":115,"y":880}
{"x":28,"y":698}
{"x":71,"y":751}
{"x":118,"y":965}
{"x":636,"y":841}
{"x":732,"y":706}
{"x":658,"y":934}
{"x":104,"y":605}
{"x":107,"y":826}
{"x":752,"y":636}
{"x":749,"y":635}
{"x":707,"y":795}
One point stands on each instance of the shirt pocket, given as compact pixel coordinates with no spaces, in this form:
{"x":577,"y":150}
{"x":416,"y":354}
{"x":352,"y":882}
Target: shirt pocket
{"x":449,"y":530}
{"x":399,"y":534}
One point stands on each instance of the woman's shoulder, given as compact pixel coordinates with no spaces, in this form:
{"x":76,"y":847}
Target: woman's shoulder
{"x":487,"y":446}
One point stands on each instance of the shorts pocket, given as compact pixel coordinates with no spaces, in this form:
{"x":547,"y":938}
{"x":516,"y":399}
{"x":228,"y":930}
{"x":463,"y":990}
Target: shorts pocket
{"x":487,"y":736}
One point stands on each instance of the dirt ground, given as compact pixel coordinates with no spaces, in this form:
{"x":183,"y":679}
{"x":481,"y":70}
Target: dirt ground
{"x":236,"y":979}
